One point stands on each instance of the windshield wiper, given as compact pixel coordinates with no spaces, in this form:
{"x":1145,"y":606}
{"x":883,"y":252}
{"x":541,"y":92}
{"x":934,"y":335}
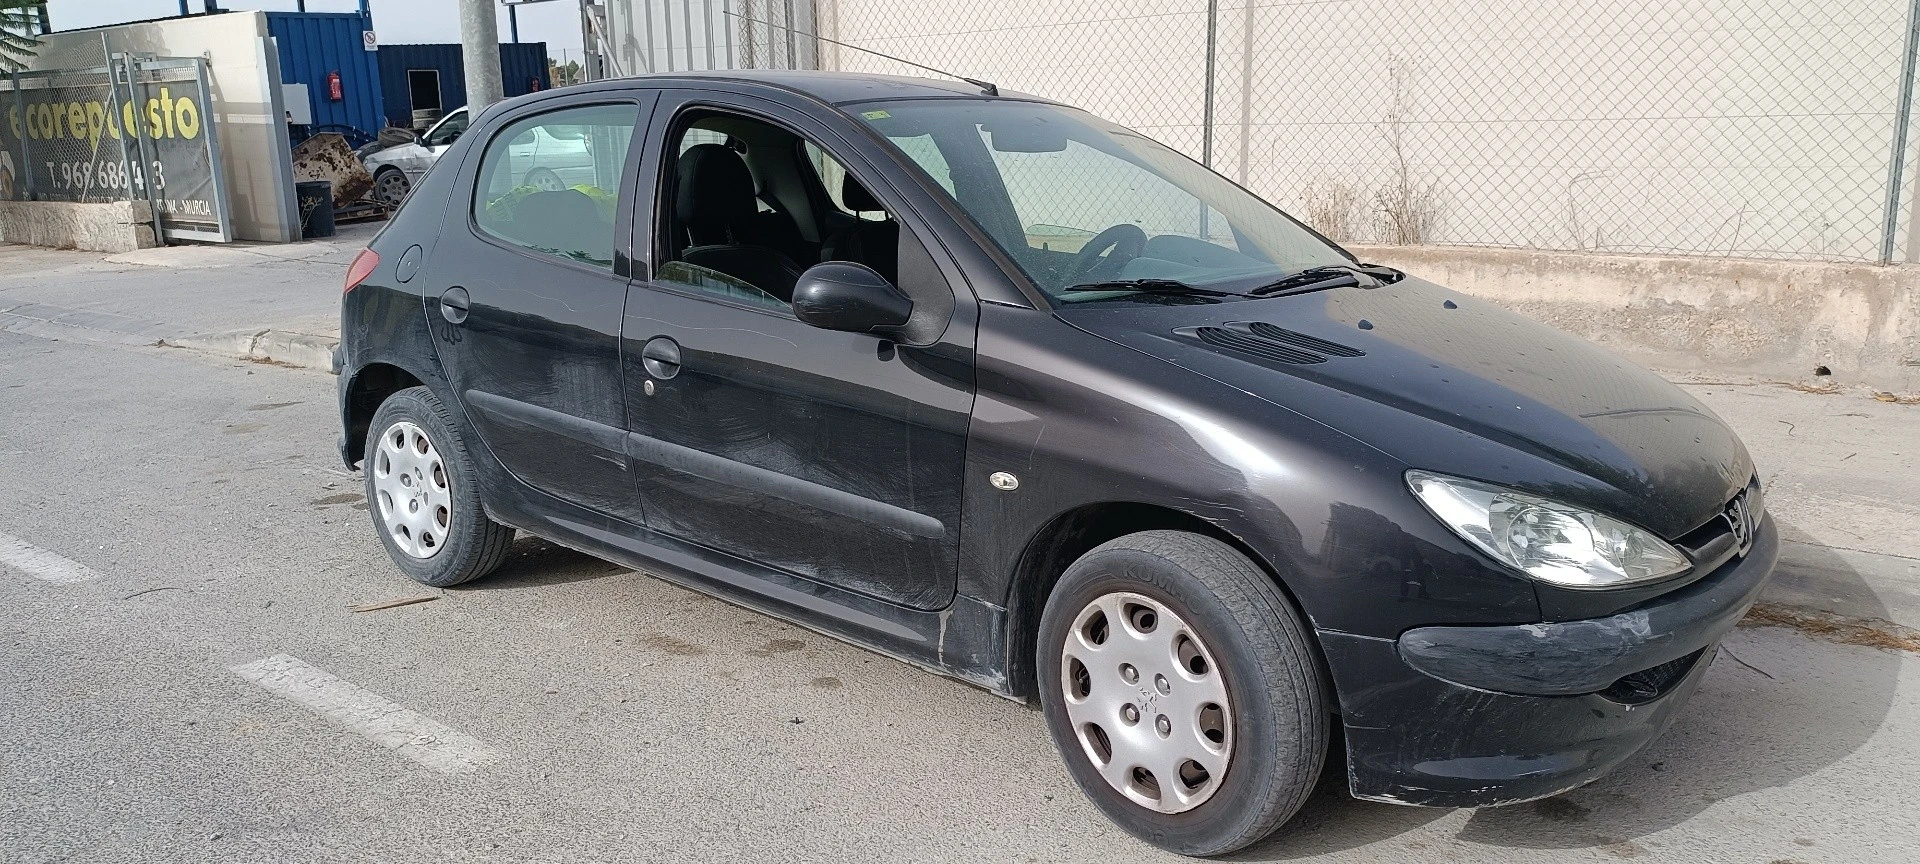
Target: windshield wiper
{"x":1149,"y":286}
{"x":1330,"y":276}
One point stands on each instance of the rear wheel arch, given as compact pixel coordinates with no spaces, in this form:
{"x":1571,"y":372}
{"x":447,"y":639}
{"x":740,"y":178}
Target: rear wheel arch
{"x":366,"y":391}
{"x":1074,"y":533}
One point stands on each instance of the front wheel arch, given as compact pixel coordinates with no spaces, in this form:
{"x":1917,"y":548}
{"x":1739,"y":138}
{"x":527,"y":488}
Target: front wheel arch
{"x":1074,"y":533}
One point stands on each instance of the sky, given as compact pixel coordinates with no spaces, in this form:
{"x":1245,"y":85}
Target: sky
{"x":395,"y":22}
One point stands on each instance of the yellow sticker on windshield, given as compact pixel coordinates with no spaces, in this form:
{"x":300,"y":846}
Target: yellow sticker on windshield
{"x":875,"y":115}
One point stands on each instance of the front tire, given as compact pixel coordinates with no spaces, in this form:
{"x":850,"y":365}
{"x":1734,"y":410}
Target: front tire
{"x":423,"y":494}
{"x":1183,"y":691}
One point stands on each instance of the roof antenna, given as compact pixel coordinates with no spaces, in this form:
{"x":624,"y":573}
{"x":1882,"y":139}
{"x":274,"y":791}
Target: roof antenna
{"x":987,"y":86}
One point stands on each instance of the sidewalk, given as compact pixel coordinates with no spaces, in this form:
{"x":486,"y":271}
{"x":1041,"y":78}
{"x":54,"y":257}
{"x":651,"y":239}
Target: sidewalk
{"x":1841,"y":469}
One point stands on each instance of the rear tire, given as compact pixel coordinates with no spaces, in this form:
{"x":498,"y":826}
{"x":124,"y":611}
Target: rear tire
{"x":1199,"y":624}
{"x":423,"y":494}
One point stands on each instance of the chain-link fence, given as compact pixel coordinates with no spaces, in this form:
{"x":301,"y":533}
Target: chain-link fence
{"x":1758,"y":128}
{"x":58,"y":153}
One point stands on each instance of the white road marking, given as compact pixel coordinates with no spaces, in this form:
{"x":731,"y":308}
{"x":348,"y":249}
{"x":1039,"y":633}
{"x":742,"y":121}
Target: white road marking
{"x":376,"y":718}
{"x":42,"y":564}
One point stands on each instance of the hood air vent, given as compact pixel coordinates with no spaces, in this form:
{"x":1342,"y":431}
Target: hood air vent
{"x":1264,"y":341}
{"x":1302,"y":341}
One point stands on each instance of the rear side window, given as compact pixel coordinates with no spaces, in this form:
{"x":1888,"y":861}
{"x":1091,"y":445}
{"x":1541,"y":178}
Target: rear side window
{"x":549,"y":183}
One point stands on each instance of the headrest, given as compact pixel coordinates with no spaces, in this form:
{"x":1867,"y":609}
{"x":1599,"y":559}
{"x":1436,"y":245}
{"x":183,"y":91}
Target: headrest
{"x":856,"y":196}
{"x":713,"y":186}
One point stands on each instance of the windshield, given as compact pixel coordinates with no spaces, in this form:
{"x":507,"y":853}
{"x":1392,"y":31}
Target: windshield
{"x":1082,"y":205}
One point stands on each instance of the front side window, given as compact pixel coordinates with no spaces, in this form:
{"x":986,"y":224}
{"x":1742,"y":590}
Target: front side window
{"x":1081,"y":204}
{"x":549,"y":183}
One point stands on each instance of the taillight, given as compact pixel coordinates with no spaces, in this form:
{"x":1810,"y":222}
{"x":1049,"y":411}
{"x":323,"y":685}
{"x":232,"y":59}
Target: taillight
{"x":363,"y":266}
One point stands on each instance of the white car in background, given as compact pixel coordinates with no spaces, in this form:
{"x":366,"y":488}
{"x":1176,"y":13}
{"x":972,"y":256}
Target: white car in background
{"x":547,"y":158}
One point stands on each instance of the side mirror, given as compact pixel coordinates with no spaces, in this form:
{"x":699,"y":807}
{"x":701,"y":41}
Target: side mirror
{"x":842,"y":295}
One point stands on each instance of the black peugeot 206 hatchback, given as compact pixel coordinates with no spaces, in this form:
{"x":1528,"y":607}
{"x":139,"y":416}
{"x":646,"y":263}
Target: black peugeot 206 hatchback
{"x":1000,"y":389}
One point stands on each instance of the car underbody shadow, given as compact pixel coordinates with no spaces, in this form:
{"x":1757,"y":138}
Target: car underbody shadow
{"x":536,"y":561}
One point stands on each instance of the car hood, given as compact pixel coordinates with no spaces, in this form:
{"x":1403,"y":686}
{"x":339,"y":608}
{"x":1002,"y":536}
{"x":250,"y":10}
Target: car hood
{"x":1452,"y":384}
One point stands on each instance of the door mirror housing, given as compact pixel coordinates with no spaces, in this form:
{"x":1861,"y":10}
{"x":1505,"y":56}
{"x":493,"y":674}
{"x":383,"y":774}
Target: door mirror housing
{"x":842,"y":295}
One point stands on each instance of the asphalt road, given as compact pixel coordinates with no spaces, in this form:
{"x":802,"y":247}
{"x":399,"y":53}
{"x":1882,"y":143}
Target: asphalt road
{"x":580,"y":712}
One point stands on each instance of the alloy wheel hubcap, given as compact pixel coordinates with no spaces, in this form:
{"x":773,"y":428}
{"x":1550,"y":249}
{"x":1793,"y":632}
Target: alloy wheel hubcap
{"x":1147,"y":702}
{"x":414,"y":494}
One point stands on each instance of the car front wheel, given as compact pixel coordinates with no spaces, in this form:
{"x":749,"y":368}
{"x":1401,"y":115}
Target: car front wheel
{"x":423,"y":495}
{"x":1182,"y":690}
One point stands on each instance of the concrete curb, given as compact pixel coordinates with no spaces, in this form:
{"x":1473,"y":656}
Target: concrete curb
{"x":279,"y":347}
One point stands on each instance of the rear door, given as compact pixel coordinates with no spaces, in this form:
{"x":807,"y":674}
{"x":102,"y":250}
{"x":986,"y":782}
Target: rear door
{"x":526,"y":295}
{"x":838,"y":457}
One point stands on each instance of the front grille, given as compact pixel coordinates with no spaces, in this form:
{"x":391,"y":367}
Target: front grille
{"x":1717,"y":539}
{"x":1647,"y":685}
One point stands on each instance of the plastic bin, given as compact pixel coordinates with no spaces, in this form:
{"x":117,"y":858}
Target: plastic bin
{"x":316,"y":208}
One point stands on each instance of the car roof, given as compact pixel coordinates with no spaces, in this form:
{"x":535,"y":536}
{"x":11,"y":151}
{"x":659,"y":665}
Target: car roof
{"x":836,"y":88}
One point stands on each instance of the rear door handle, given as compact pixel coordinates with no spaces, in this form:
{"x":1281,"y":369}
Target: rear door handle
{"x":661,"y":357}
{"x":454,"y":304}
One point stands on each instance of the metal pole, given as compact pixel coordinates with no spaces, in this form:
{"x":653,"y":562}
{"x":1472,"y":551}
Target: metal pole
{"x":706,"y":28}
{"x":183,"y":9}
{"x":726,"y":9}
{"x":119,"y":117}
{"x":480,"y":47}
{"x":1247,"y":26}
{"x":653,"y":64}
{"x":792,"y":46}
{"x":26,"y":148}
{"x":666,"y":29}
{"x":513,"y":21}
{"x":1903,"y":118}
{"x":1206,"y":112}
{"x":686,"y":23}
{"x":1206,"y":118}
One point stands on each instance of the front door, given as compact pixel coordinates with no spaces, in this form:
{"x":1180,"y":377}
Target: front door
{"x":525,"y":301}
{"x":834,"y":456}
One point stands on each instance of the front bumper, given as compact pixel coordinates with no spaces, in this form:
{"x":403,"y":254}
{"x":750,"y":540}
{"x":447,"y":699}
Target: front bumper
{"x":1474,"y":716}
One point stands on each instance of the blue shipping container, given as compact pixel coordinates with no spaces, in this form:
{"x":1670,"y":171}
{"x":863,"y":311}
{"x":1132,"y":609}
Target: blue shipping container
{"x":314,"y":45}
{"x":439,"y":77}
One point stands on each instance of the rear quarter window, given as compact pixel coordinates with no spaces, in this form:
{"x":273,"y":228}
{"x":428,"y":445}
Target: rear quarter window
{"x":550,"y":183}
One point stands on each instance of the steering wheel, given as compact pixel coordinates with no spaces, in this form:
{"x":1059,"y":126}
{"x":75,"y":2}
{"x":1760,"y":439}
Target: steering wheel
{"x":1126,"y":241}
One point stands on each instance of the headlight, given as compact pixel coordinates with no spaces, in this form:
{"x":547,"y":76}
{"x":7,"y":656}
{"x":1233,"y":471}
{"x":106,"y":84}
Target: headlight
{"x":1549,"y":541}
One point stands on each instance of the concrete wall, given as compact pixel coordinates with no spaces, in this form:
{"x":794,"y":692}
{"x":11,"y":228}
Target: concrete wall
{"x":1768,"y":318}
{"x":121,"y":226}
{"x":247,"y":110}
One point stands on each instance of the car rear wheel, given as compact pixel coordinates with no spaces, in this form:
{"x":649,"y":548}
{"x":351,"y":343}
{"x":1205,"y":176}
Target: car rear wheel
{"x":1182,"y":690}
{"x":391,"y":187}
{"x":421,"y":492}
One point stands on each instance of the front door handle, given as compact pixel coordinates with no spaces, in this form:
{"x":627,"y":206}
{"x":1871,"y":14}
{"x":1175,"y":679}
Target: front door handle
{"x":454,"y":304}
{"x":661,"y":357}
